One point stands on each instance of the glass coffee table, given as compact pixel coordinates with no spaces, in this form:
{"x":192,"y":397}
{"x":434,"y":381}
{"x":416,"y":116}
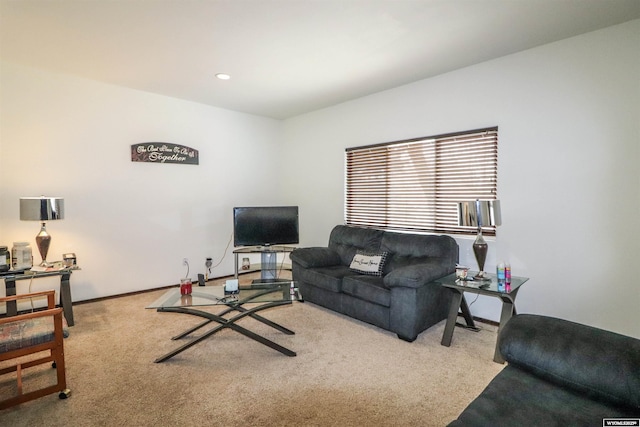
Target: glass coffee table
{"x":260,"y":296}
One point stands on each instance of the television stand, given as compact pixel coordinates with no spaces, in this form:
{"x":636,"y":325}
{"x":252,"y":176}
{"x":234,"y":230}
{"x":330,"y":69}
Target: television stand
{"x":268,"y":283}
{"x":268,"y":260}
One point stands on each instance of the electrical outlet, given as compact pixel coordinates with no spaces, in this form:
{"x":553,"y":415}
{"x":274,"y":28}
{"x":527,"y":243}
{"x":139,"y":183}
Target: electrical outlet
{"x":185,"y":261}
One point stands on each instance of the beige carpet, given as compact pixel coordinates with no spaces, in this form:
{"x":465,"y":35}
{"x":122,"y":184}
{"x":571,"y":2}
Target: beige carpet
{"x":346,"y":373}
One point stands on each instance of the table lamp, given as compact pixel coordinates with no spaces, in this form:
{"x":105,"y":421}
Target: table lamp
{"x":479,"y":213}
{"x":42,"y":209}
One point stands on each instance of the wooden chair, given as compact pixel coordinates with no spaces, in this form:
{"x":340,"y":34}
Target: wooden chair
{"x":26,"y":335}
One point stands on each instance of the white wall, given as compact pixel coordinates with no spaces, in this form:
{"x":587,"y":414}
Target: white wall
{"x":130,"y":224}
{"x":569,"y":122}
{"x":569,"y":140}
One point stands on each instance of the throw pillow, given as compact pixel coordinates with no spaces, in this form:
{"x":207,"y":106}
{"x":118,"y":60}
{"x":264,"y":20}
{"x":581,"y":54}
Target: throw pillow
{"x":370,"y":264}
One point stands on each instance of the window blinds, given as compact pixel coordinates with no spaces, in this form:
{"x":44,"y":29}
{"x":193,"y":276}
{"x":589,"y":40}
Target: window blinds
{"x":413,"y":185}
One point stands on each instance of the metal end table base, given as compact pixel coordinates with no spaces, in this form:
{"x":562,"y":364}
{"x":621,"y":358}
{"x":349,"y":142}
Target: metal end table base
{"x":459,"y":306}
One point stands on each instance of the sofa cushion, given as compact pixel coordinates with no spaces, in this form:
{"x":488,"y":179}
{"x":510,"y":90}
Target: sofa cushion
{"x":315,"y":257}
{"x":346,"y":241}
{"x":518,"y":398}
{"x":596,"y":363}
{"x":329,"y":278}
{"x":368,"y":288}
{"x":416,"y":275}
{"x":369,"y":264}
{"x":410,"y":249}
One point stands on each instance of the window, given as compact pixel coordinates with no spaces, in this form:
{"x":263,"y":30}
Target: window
{"x":413,"y":185}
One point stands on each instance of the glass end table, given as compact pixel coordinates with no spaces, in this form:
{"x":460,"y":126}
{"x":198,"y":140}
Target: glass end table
{"x":505,"y":292}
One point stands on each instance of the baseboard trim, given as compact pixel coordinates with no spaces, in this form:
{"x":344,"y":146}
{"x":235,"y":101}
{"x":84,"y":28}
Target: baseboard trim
{"x":485,"y":321}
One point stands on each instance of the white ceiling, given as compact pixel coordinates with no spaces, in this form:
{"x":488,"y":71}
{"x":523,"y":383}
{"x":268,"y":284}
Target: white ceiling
{"x":286,"y":57}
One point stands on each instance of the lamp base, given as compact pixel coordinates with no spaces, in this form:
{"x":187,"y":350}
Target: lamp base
{"x":480,"y":249}
{"x":43,"y":240}
{"x":481,"y":276}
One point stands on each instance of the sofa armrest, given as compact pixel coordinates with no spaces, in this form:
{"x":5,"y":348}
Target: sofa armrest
{"x":601,"y":364}
{"x":416,"y":275}
{"x":315,"y":257}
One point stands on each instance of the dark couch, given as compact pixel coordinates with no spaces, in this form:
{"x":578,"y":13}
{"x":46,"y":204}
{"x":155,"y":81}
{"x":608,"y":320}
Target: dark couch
{"x":402,"y":299}
{"x":560,"y":373}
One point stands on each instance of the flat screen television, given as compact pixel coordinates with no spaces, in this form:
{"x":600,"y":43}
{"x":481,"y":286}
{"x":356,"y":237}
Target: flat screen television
{"x":266,"y":225}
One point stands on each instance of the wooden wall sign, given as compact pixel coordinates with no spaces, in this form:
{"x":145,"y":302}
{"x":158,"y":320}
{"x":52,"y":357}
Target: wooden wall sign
{"x":164,"y":152}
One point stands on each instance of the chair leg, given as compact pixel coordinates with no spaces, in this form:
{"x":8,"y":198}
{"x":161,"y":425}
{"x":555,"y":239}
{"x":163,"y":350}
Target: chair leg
{"x":19,"y":379}
{"x":27,"y":348}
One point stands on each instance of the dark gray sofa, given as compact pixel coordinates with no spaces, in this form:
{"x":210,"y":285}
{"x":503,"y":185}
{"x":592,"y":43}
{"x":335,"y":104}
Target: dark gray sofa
{"x":559,"y":373}
{"x":403,"y":299}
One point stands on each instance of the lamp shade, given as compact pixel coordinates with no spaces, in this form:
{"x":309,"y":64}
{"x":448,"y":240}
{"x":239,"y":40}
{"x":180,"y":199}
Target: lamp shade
{"x":479,"y":213}
{"x":41,"y":208}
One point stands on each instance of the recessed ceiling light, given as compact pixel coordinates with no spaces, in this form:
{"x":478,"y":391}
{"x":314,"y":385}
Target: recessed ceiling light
{"x":223,"y":76}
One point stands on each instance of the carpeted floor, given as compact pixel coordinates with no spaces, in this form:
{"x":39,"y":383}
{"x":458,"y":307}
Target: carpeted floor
{"x":346,"y":373}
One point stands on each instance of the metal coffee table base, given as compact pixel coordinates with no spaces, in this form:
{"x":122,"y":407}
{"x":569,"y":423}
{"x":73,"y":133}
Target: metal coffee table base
{"x":228,"y":323}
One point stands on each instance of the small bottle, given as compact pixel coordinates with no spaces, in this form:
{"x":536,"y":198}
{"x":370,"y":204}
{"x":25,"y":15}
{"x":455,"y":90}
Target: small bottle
{"x":500,"y":273}
{"x":207,"y":268}
{"x":507,"y":273}
{"x":5,"y":258}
